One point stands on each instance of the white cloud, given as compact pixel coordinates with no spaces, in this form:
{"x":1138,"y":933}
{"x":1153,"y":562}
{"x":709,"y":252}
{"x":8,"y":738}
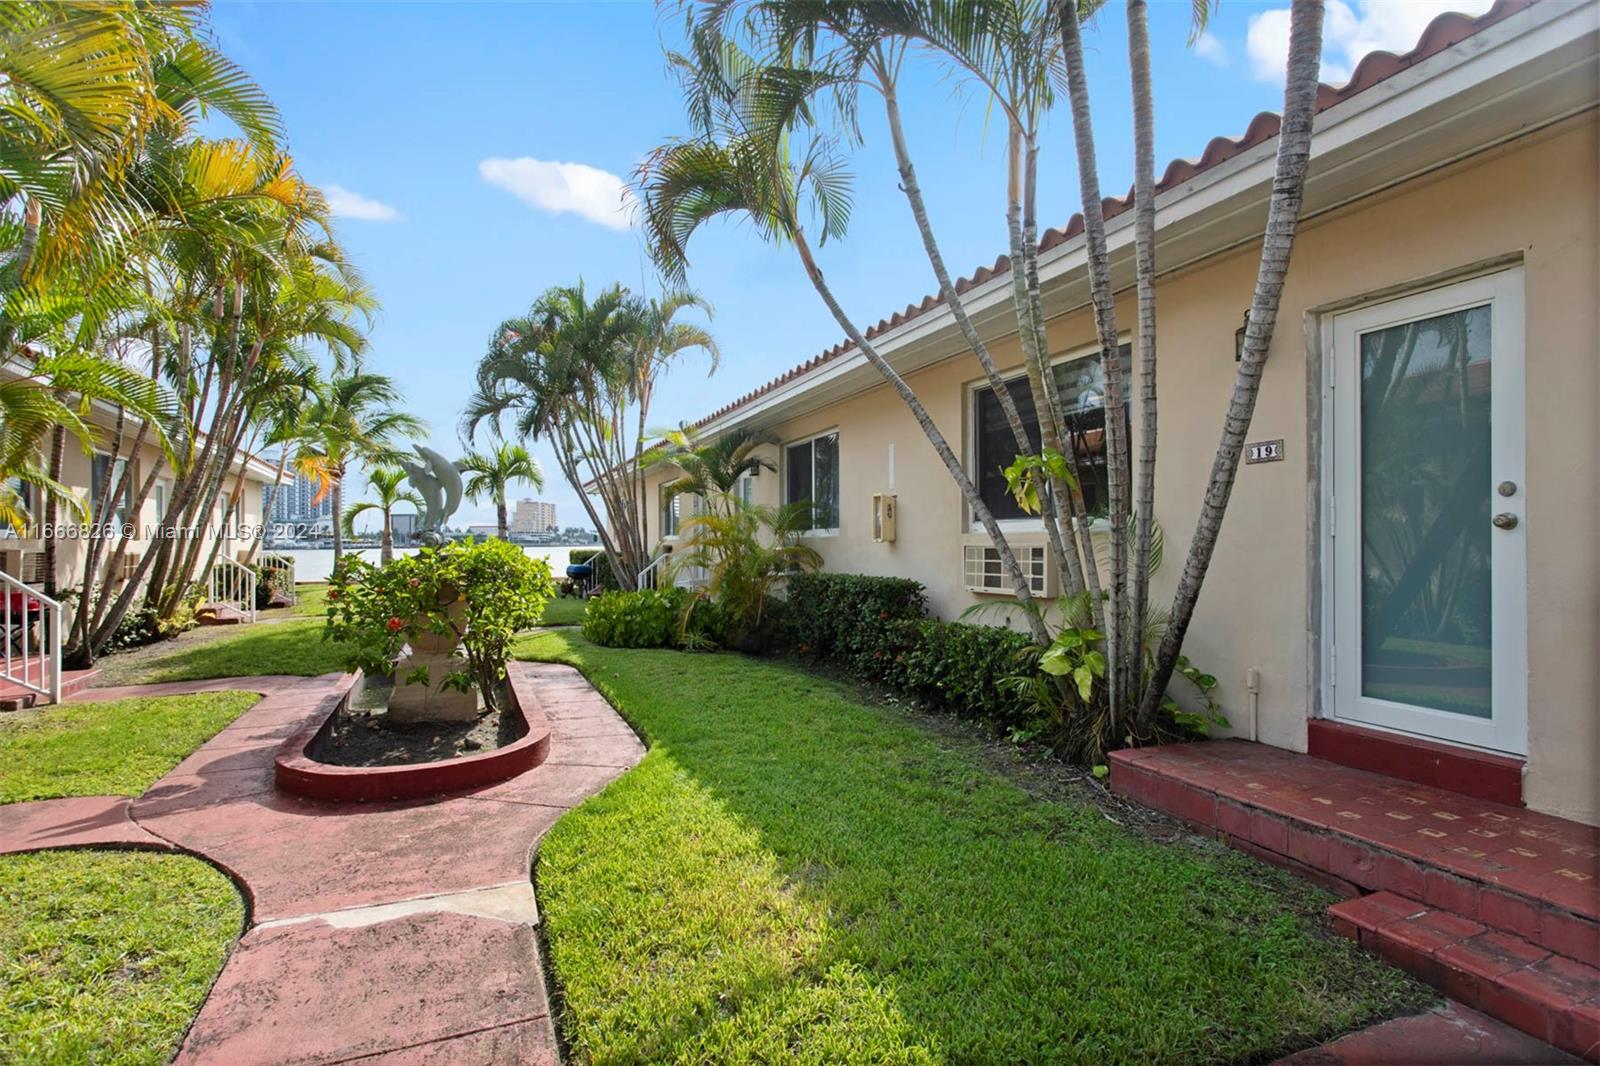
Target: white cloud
{"x":1348,"y":33}
{"x":346,"y":204}
{"x":560,"y":188}
{"x":1210,"y":48}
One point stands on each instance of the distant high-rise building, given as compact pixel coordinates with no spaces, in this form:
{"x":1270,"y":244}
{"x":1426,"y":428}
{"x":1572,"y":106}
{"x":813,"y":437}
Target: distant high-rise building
{"x":297,"y":502}
{"x":533,"y":516}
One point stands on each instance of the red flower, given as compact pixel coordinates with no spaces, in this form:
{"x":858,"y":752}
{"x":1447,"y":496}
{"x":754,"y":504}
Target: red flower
{"x":883,"y":616}
{"x":414,"y":582}
{"x":333,"y":594}
{"x":395,"y":624}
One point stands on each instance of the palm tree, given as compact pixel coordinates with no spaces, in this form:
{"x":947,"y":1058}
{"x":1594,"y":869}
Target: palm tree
{"x":387,"y":484}
{"x":743,"y":162}
{"x":712,"y":469}
{"x":353,"y":418}
{"x":748,"y":551}
{"x":1144,"y":220}
{"x":576,"y":372}
{"x":490,"y":474}
{"x":1283,"y":213}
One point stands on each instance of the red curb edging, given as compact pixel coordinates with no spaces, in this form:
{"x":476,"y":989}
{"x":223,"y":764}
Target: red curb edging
{"x":298,"y":773}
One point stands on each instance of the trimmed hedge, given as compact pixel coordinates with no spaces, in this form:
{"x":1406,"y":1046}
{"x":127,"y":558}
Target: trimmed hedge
{"x":831,"y":614}
{"x":649,"y":618}
{"x":877,"y":629}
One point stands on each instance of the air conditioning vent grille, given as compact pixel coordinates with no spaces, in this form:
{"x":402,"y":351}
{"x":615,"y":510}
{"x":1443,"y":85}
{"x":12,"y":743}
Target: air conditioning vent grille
{"x":982,"y":570}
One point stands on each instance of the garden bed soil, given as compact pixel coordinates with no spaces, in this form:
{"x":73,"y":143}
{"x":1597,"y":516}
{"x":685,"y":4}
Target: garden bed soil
{"x":360,"y":733}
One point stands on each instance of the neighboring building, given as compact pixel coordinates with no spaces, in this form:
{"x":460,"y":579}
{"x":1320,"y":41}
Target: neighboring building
{"x":1434,"y":364}
{"x":403,"y":526}
{"x":296,"y":503}
{"x":533,"y":516}
{"x":23,"y":555}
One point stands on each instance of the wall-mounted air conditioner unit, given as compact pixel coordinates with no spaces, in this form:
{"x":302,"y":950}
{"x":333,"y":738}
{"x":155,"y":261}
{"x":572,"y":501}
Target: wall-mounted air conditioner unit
{"x":884,"y":506}
{"x":982,"y":570}
{"x":127,"y":566}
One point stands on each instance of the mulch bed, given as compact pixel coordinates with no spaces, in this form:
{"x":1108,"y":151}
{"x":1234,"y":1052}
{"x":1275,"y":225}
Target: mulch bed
{"x":362,"y":735}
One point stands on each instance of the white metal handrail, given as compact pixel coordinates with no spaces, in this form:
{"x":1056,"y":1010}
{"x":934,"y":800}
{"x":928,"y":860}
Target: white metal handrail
{"x":234,"y":585}
{"x":39,"y":669}
{"x":650,"y":576}
{"x":281,"y":561}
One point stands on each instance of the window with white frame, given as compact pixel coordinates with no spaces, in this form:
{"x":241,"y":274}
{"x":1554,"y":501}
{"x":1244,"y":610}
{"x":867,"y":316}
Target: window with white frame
{"x":671,"y":508}
{"x":811,"y":473}
{"x":101,"y":467}
{"x":744,"y":490}
{"x":1081,"y":385}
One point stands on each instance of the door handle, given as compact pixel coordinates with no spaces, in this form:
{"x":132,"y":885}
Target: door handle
{"x":1504,"y":520}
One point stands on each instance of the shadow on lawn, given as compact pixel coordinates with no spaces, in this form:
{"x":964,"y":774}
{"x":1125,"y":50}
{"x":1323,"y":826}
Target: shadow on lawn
{"x":287,"y":647}
{"x":790,"y":862}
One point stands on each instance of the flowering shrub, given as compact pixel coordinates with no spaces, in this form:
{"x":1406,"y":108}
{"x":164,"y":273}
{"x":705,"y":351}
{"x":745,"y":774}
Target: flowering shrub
{"x":482,"y":594}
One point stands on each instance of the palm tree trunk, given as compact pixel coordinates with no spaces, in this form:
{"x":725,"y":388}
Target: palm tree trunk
{"x":386,"y":544}
{"x":1019,"y":580}
{"x":78,"y":655}
{"x":338,"y":510}
{"x":1053,"y":434}
{"x":58,"y":454}
{"x":1094,"y":231}
{"x":501,"y":525}
{"x":1144,"y":207}
{"x":1283,"y":213}
{"x":1067,"y":562}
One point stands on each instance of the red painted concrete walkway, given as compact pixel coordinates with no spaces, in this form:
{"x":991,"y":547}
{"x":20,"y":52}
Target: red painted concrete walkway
{"x":378,"y":933}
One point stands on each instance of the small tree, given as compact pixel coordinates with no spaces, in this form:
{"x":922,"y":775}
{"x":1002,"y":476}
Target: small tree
{"x":490,"y":474}
{"x":355,"y":417}
{"x":748,"y":552}
{"x":387,"y":484}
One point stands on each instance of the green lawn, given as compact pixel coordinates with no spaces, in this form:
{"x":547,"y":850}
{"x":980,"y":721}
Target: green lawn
{"x":311,"y":600}
{"x":796,"y":874}
{"x":119,"y":748}
{"x":564,"y":611}
{"x":106,"y":956}
{"x":289,"y":647}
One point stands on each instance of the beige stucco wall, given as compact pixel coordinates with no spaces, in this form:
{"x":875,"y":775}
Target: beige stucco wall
{"x":1535,"y":199}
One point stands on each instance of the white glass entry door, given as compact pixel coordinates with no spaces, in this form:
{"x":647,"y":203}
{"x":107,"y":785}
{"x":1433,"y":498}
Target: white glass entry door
{"x":1428,"y":590}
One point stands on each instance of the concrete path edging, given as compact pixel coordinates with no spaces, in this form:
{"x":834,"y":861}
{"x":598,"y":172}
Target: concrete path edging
{"x":376,"y":933}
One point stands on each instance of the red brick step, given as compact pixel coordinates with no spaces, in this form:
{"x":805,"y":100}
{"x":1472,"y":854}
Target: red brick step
{"x":1546,"y":995}
{"x":1527,"y":874}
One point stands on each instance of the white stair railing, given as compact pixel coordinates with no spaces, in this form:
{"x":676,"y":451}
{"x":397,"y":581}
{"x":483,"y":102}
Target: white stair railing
{"x":281,"y":561}
{"x":651,"y":575}
{"x":33,"y":655}
{"x":233,"y":585}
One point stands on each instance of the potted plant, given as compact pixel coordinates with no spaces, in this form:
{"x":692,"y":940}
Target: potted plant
{"x":441,"y":621}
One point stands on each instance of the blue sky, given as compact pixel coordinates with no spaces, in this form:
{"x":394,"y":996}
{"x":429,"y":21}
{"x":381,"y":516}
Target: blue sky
{"x":438,"y":130}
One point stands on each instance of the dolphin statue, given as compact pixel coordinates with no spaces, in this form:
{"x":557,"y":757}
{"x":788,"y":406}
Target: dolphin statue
{"x":428,"y":488}
{"x":449,"y":479}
